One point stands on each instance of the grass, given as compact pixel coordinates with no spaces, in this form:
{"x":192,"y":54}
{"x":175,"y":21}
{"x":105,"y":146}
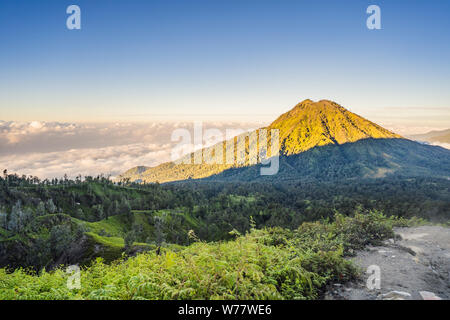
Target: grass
{"x":115,"y":242}
{"x":3,"y":232}
{"x":110,"y":232}
{"x":112,"y":226}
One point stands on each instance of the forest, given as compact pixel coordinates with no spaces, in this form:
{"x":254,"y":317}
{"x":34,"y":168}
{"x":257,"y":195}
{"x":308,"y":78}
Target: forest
{"x":45,"y":224}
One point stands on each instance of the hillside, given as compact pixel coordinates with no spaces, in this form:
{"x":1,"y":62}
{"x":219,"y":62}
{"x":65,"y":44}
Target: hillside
{"x":308,"y":125}
{"x":46,"y":224}
{"x":272,"y":263}
{"x":363,"y":159}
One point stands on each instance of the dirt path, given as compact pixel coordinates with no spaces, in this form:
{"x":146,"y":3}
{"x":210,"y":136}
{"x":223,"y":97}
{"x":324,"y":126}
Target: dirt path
{"x":419,"y":262}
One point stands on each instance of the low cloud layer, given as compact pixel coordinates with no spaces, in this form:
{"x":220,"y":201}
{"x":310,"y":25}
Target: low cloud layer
{"x":50,"y":150}
{"x":441,"y":144}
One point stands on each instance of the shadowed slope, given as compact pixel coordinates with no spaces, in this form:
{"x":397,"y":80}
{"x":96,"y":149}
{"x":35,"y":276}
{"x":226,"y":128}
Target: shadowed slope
{"x":366,"y":158}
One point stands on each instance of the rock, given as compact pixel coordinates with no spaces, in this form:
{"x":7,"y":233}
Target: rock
{"x":427,"y":295}
{"x":394,"y":295}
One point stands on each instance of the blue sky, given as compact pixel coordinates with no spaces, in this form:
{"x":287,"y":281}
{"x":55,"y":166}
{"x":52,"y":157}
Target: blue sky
{"x":240,"y":60}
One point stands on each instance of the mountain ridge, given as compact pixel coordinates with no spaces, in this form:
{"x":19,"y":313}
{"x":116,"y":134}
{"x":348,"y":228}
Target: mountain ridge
{"x":434,"y":136}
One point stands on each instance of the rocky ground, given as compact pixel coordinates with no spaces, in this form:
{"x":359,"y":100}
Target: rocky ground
{"x":414,"y":266}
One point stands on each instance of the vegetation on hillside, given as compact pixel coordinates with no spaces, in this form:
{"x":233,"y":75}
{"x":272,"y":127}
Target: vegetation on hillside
{"x":273,"y":263}
{"x":47,"y":223}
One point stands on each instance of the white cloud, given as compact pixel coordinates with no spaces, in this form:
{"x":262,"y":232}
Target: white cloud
{"x":108,"y":160}
{"x":50,"y":150}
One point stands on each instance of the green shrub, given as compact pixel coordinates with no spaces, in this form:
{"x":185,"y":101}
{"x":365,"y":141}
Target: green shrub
{"x":262,"y":264}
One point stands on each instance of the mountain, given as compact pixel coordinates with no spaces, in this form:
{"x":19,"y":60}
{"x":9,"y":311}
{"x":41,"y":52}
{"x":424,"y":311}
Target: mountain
{"x":310,"y":124}
{"x":441,"y":136}
{"x":135,"y":173}
{"x":317,"y":140}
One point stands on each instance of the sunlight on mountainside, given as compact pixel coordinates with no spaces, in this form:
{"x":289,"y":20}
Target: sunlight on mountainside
{"x":309,"y":124}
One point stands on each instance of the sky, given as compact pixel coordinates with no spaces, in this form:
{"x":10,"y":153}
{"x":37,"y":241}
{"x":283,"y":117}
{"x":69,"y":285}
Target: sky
{"x":149,"y":62}
{"x":146,"y":60}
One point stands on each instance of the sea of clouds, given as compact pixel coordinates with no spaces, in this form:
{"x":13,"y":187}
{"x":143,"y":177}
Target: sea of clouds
{"x":52,"y":149}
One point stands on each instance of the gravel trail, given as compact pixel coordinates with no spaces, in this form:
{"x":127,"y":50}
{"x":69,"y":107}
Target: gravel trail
{"x":415,"y":267}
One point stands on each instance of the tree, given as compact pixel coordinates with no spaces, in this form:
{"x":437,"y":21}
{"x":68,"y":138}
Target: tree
{"x":138,"y":230}
{"x":40,"y":209}
{"x":79,"y":214}
{"x":3,"y":220}
{"x":19,"y":218}
{"x":51,"y":208}
{"x":125,"y":207}
{"x":129,"y":239}
{"x":115,"y":208}
{"x":61,"y":238}
{"x":160,"y":236}
{"x":98,"y":210}
{"x":107,"y":208}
